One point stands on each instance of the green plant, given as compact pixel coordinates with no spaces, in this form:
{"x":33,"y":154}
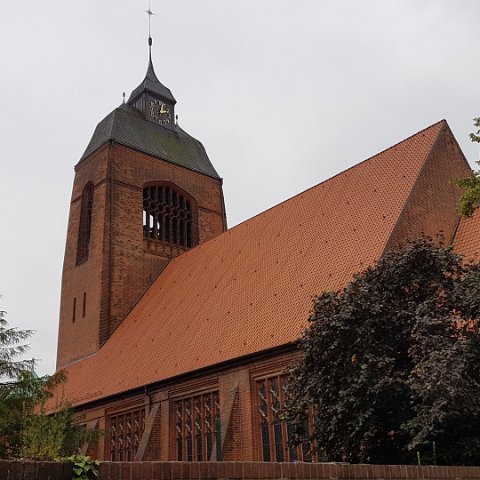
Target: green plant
{"x":84,"y":467}
{"x":389,"y":364}
{"x":11,"y":347}
{"x":470,"y":199}
{"x":27,"y":431}
{"x":51,"y":436}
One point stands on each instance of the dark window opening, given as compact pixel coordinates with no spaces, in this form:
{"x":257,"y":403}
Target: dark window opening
{"x":168,"y":216}
{"x":195,"y":426}
{"x":85,"y":227}
{"x":124,"y":435}
{"x":74,"y":309}
{"x":275,"y":432}
{"x":84,"y":308}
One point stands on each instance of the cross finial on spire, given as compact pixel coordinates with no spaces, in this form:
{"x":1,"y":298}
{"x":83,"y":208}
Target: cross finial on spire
{"x":149,"y":13}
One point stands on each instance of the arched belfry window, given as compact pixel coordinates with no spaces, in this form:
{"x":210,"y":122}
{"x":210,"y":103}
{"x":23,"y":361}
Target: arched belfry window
{"x":85,"y":228}
{"x":169,"y":215}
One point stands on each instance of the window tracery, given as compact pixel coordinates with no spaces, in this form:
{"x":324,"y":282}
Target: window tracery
{"x":274,"y":432}
{"x":125,"y":432}
{"x":196,"y":420}
{"x":169,"y":215}
{"x":85,"y":226}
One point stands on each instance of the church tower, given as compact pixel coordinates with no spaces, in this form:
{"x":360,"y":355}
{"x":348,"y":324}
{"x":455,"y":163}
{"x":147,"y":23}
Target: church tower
{"x":144,"y":192}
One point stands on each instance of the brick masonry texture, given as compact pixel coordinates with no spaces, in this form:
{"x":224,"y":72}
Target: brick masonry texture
{"x":119,"y":270}
{"x":250,"y":289}
{"x":299,"y":470}
{"x":431,"y":207}
{"x":226,"y":314}
{"x":19,"y":470}
{"x":241,"y":443}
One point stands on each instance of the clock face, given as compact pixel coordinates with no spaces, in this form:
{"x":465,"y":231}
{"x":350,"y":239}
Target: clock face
{"x":160,"y":112}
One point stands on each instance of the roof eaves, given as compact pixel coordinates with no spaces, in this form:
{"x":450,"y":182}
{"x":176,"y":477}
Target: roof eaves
{"x":140,"y":90}
{"x":99,"y":137}
{"x":209,"y":369}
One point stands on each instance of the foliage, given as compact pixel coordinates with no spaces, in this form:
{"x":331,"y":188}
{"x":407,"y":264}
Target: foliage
{"x":11,"y":347}
{"x":46,"y":437}
{"x":17,"y":399}
{"x":84,"y":467}
{"x":390,"y":363}
{"x":468,"y":203}
{"x":28,"y":431}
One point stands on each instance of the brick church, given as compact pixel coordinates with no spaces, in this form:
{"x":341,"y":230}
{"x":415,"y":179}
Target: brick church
{"x":174,"y":330}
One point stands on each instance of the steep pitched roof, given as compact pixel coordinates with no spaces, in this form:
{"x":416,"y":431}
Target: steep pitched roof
{"x":153,"y":85}
{"x":126,"y":125}
{"x":467,"y":237}
{"x":251,"y":288}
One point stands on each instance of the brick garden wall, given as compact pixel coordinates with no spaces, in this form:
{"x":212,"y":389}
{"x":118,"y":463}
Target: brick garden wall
{"x":284,"y":471}
{"x":17,"y":470}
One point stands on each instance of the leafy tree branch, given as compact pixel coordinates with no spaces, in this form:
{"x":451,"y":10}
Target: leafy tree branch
{"x":390,"y":363}
{"x":468,"y":203}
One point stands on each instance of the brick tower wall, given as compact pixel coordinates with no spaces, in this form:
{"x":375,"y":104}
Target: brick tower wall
{"x":119,"y":269}
{"x":79,"y":338}
{"x":133,"y":269}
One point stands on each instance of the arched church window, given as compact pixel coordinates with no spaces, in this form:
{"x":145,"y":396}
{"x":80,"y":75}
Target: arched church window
{"x":84,"y":230}
{"x":169,"y":215}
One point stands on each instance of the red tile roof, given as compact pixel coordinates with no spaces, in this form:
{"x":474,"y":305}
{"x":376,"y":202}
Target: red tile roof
{"x":251,"y":288}
{"x":467,"y":237}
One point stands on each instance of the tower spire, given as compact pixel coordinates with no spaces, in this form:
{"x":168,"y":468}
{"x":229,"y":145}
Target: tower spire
{"x":155,"y":95}
{"x":149,"y":12}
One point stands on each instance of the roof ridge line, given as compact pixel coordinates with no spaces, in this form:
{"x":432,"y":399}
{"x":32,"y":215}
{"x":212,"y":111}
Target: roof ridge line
{"x":304,"y":191}
{"x":406,"y":205}
{"x":334,"y":176}
{"x":405,"y":139}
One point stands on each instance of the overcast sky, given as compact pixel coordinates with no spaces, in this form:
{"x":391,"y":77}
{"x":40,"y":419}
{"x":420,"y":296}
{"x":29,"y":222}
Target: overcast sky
{"x":283,"y":94}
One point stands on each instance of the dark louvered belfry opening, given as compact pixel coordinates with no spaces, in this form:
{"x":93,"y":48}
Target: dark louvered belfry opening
{"x":168,"y":215}
{"x":85,"y":227}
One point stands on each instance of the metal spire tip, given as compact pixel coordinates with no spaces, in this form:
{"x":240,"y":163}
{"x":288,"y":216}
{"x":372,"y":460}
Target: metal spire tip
{"x":149,"y":12}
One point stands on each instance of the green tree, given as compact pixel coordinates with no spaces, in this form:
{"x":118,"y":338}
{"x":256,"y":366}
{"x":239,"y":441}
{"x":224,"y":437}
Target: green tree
{"x":18,"y":400}
{"x":468,"y":202}
{"x":389,"y":364}
{"x":12,"y":346}
{"x":13,"y":372}
{"x":28,"y":431}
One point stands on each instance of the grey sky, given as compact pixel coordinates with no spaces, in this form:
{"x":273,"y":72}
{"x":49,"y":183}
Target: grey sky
{"x":283,"y":94}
